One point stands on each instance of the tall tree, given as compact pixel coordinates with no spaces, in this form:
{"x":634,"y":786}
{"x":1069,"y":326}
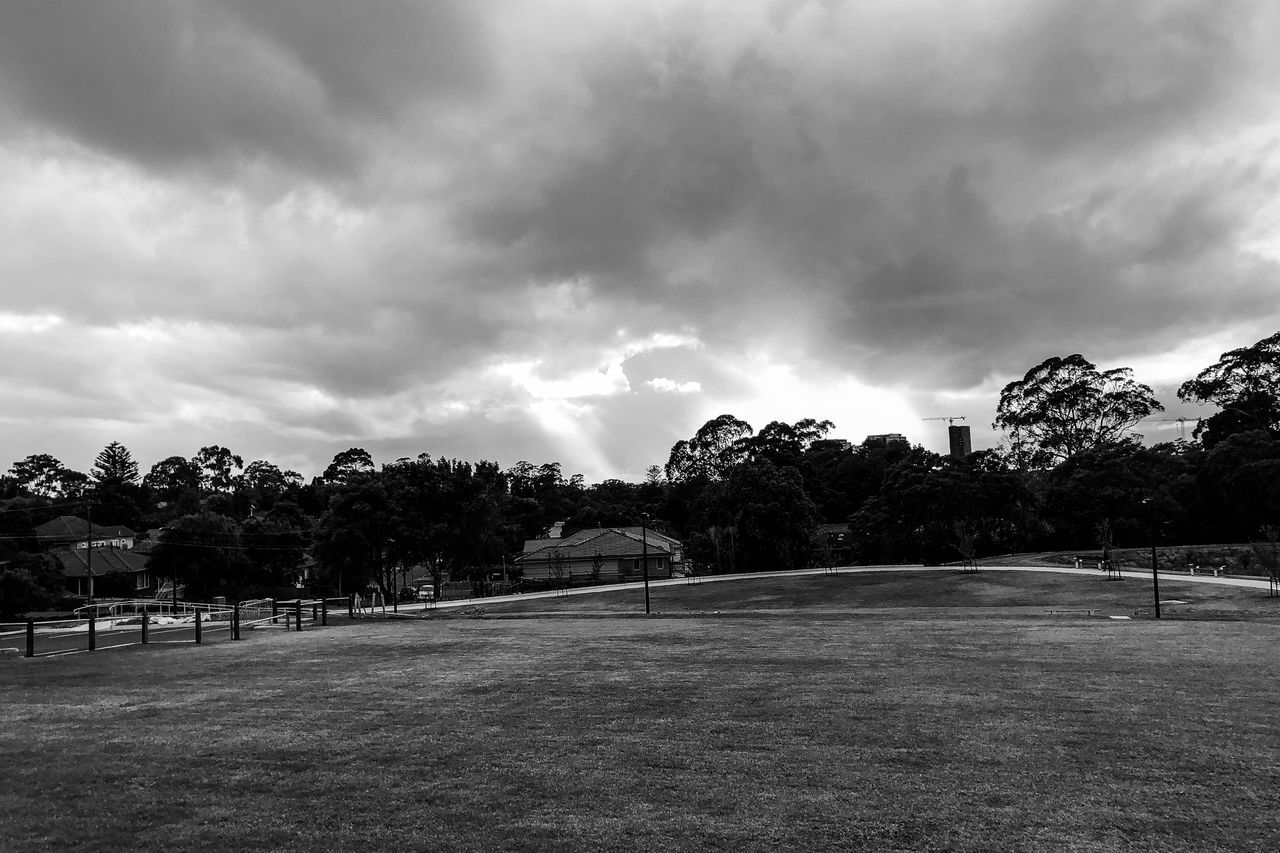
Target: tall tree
{"x":348,"y":464}
{"x":28,"y":581}
{"x":114,"y":466}
{"x":773,"y":519}
{"x":714,"y":449}
{"x":274,"y":546}
{"x":170,"y":477}
{"x":784,"y":444}
{"x":45,"y":476}
{"x":202,"y":551}
{"x":1245,"y":384}
{"x":219,"y":466}
{"x":1065,"y":406}
{"x":351,"y":538}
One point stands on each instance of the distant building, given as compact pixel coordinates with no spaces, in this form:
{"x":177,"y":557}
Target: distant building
{"x":96,"y":559}
{"x":114,"y":572}
{"x":961,"y":442}
{"x":73,"y":531}
{"x":610,"y":554}
{"x":885,"y":440}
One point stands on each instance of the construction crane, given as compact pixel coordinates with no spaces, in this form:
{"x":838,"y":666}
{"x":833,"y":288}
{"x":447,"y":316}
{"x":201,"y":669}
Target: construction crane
{"x":959,"y":440}
{"x":1182,"y":425}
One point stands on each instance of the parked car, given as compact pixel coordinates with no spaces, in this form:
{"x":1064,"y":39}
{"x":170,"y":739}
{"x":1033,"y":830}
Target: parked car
{"x":426,"y":593}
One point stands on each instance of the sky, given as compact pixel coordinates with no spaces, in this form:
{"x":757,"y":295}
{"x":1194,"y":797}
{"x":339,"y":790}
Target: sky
{"x":575,"y":230}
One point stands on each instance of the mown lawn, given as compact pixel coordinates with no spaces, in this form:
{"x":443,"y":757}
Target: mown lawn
{"x":789,"y":729}
{"x":991,"y":592}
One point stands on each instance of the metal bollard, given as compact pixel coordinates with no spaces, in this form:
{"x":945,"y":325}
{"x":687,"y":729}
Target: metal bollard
{"x":197,"y":627}
{"x":31,"y":638}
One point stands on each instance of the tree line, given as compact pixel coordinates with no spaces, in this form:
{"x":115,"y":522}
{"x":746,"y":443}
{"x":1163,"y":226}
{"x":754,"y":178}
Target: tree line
{"x":1071,"y":470}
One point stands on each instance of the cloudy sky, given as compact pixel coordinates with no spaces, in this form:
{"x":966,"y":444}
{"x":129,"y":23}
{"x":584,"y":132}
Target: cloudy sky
{"x":574,"y":230}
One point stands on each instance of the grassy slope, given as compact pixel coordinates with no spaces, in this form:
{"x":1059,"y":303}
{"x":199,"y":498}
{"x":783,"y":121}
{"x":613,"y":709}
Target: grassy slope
{"x":795,"y":731}
{"x":990,"y":592}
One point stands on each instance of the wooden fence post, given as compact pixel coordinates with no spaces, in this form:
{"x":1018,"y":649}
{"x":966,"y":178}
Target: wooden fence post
{"x":144,"y":629}
{"x":197,"y":627}
{"x":297,"y":612}
{"x":235,"y":621}
{"x":93,"y":632}
{"x":324,"y":611}
{"x":351,"y":606}
{"x":31,"y":638}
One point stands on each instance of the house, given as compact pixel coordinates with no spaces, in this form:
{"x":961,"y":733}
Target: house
{"x":114,"y":572}
{"x":600,"y":553}
{"x":113,"y":568}
{"x":73,"y":531}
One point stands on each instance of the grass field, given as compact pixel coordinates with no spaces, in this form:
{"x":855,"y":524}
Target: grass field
{"x":790,"y":721}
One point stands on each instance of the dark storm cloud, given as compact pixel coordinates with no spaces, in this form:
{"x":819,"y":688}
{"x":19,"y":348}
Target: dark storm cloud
{"x":933,"y":216}
{"x":167,"y":83}
{"x":476,"y":220}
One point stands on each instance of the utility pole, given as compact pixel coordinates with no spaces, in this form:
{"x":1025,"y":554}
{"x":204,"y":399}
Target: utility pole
{"x":88,"y":542}
{"x":174,"y":566}
{"x":644,"y":549}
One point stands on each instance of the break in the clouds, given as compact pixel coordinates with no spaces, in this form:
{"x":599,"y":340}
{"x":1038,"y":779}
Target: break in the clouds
{"x":574,"y":231}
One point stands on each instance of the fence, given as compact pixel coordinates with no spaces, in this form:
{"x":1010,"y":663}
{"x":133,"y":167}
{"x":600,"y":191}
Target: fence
{"x":116,"y":624}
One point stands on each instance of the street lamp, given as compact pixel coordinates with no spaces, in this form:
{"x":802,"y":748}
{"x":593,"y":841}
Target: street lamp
{"x":644,"y":550}
{"x":1155,"y":569}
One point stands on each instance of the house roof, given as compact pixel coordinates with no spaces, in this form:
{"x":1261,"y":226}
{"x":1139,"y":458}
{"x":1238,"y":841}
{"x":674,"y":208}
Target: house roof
{"x":605,"y":541}
{"x":72,"y":528}
{"x":75,"y":561}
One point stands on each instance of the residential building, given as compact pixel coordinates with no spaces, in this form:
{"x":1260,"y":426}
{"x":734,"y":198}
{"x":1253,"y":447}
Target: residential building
{"x":116,"y":572}
{"x":960,"y":439}
{"x":113,"y":569}
{"x":75,"y":532}
{"x":885,"y":439}
{"x":601,"y":553}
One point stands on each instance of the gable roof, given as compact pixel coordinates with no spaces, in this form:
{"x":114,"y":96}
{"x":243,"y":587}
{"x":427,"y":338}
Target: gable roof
{"x":75,"y":561}
{"x":73,"y":528}
{"x":605,"y":541}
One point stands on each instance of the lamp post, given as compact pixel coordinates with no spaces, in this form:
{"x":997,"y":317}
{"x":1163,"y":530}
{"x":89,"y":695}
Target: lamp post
{"x":644,"y":550}
{"x":1155,"y":575}
{"x":1155,"y":568}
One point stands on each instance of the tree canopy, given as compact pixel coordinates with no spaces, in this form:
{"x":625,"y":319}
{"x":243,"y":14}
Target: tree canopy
{"x":46,"y":476}
{"x":114,"y":466}
{"x":1245,"y":384}
{"x":1065,"y":406}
